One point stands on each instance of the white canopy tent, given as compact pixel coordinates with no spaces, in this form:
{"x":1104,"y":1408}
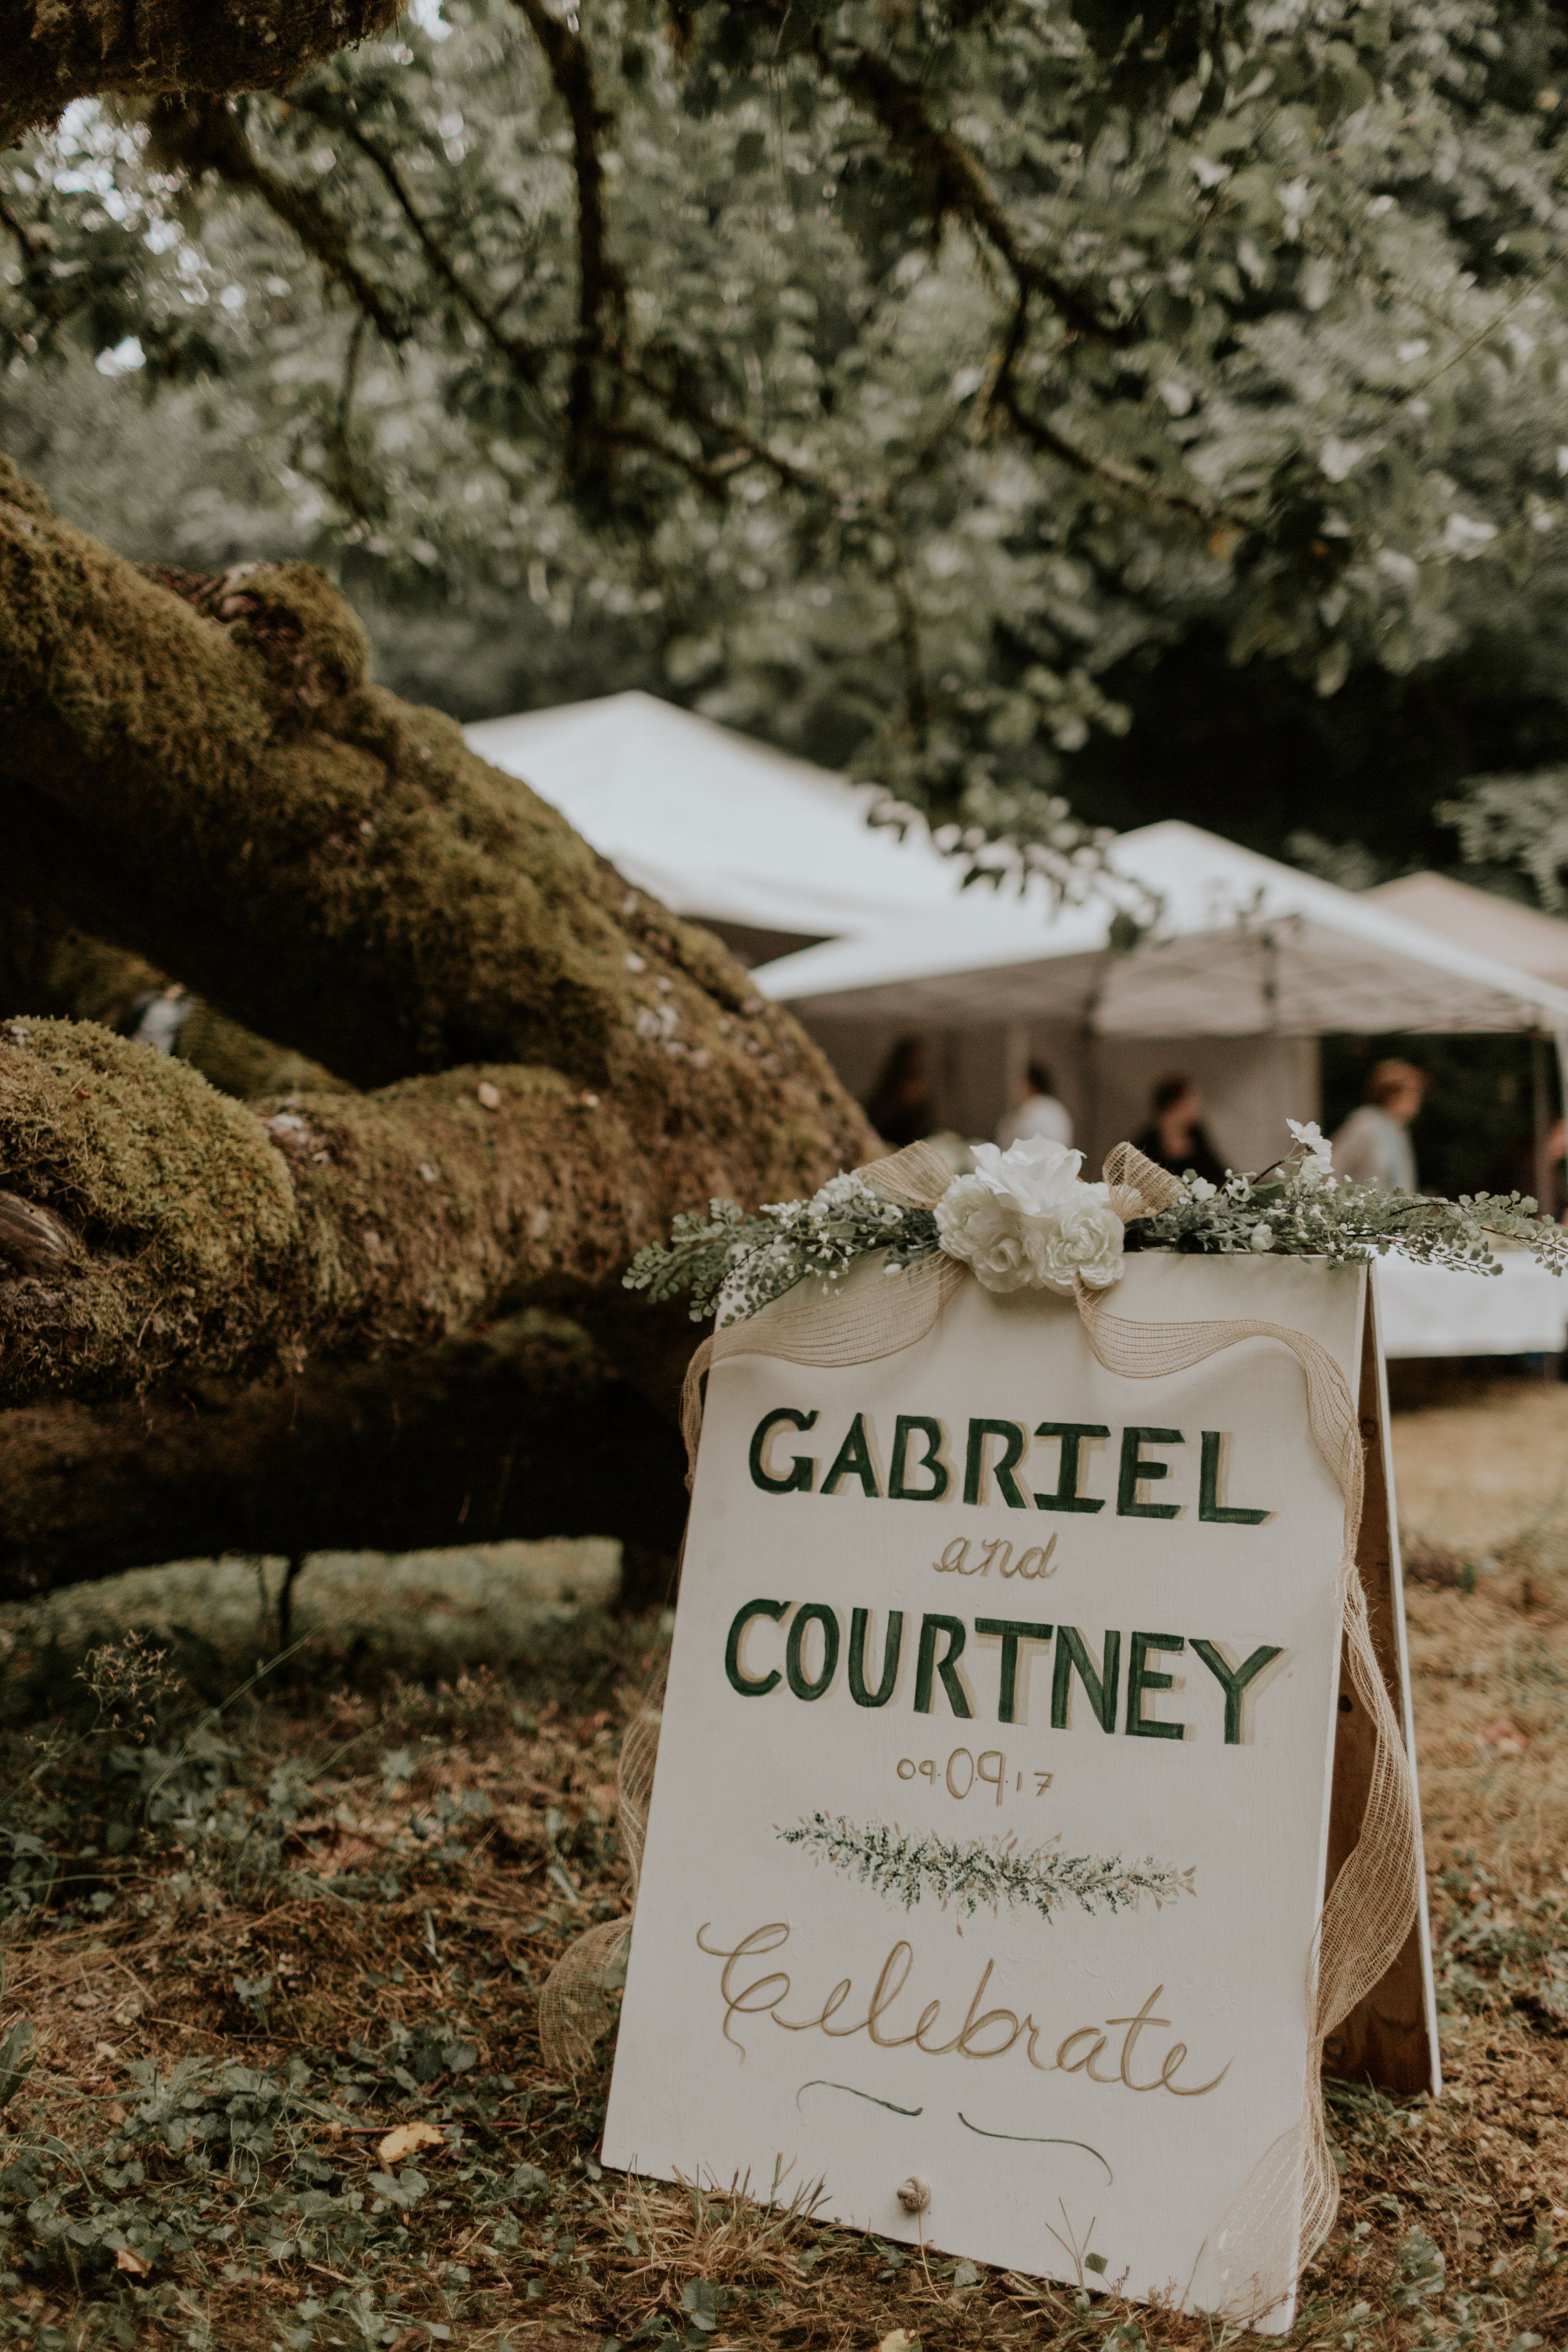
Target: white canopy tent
{"x":1241,"y":945}
{"x":1502,"y":928}
{"x":1246,"y":964}
{"x":768,"y":850}
{"x":1515,"y":934}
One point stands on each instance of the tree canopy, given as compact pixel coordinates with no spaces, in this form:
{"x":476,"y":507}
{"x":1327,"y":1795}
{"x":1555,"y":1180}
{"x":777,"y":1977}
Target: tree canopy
{"x":1012,"y":401}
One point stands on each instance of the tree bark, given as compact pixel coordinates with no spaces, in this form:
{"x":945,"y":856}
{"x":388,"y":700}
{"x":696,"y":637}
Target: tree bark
{"x":518,"y":1431}
{"x":208,"y":779}
{"x":214,"y":1238}
{"x":58,"y":50}
{"x":200,"y":774}
{"x":212,"y":781}
{"x":46,"y":967}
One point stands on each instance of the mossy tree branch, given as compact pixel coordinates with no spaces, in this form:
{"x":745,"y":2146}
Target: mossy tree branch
{"x":208,"y":779}
{"x":215,"y":783}
{"x":216,"y":1238}
{"x":58,"y":50}
{"x":517,"y":1431}
{"x":47,"y":967}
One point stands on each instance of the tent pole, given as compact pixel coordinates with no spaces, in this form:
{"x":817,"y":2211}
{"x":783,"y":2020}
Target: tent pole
{"x":1560,"y":1039}
{"x":1541,"y":1111}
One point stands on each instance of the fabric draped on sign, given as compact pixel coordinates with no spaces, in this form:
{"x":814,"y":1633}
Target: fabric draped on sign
{"x":1285,"y":2207}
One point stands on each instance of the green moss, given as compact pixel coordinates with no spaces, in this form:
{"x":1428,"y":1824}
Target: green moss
{"x":201,"y":772}
{"x":184,"y":1209}
{"x":92,"y":48}
{"x":65,"y":975}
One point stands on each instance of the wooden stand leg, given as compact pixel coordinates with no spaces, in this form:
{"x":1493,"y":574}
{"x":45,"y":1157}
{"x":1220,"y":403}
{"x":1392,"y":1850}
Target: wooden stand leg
{"x":1390,"y":2039}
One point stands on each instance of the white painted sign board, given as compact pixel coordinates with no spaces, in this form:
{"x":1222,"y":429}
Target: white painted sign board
{"x":1118,"y":1650}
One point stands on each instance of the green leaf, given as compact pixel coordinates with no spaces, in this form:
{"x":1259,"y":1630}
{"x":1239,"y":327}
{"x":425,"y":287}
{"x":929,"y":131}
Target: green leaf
{"x":700,"y":2298}
{"x":16,"y":2060}
{"x":1096,"y":2263}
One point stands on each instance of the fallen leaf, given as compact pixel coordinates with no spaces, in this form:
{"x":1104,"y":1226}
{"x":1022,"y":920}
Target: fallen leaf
{"x":1505,"y":1739}
{"x":117,"y":2113}
{"x":405,"y":2138}
{"x":125,"y":2260}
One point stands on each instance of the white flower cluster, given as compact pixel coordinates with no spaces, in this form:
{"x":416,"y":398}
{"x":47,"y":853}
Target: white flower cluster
{"x":1027,"y":1220}
{"x":824,"y":1236}
{"x":732,"y":1265}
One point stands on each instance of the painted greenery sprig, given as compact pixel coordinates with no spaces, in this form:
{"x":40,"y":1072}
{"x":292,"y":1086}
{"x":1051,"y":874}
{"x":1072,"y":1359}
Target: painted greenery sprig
{"x":983,"y":1874}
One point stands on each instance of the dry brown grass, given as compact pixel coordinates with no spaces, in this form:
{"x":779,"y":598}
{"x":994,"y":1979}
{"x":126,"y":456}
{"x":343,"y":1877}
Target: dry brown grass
{"x":1479,"y":2178}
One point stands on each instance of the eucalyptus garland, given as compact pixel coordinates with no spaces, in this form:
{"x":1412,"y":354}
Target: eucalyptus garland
{"x":1025,"y":1219}
{"x":983,"y":1874}
{"x":1289,"y":1215}
{"x":734,"y":1264}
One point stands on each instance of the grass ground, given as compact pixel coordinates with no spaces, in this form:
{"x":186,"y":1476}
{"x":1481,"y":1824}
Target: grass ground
{"x":270,"y":2075}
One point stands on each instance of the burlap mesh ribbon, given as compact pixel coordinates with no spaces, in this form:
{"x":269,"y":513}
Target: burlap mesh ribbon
{"x":1285,"y":2206}
{"x":576,"y":2008}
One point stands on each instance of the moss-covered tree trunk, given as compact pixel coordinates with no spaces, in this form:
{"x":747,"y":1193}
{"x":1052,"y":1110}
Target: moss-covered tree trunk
{"x":52,"y":51}
{"x":517,"y":1430}
{"x":201,"y":773}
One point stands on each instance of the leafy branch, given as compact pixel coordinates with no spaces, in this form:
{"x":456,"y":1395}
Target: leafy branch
{"x":1297,"y":1213}
{"x":205,"y":136}
{"x":734,"y":1264}
{"x":975,"y":1874}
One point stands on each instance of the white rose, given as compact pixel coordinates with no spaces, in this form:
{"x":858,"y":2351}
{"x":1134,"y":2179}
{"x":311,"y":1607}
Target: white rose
{"x":1023,"y":1221}
{"x":1086,"y":1240}
{"x":1036,"y":1175}
{"x":986,"y":1230}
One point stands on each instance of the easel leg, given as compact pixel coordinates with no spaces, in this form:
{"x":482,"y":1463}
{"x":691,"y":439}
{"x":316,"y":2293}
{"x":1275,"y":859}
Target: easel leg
{"x":1390,"y":2039}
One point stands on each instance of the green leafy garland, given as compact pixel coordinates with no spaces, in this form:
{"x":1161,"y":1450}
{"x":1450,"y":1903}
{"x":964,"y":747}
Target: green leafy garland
{"x":1294,"y":1215}
{"x":978,"y":1874}
{"x":732,"y":1264}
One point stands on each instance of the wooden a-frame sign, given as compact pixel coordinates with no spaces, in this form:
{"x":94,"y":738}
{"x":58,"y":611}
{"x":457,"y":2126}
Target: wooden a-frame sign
{"x":1390,"y":2039}
{"x":1004,"y":1762}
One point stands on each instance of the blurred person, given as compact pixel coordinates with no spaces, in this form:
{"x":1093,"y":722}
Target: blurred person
{"x":1374,"y":1146}
{"x":1177,"y":1138}
{"x":157,"y":1018}
{"x":1036,"y":1111}
{"x":901,"y":1108}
